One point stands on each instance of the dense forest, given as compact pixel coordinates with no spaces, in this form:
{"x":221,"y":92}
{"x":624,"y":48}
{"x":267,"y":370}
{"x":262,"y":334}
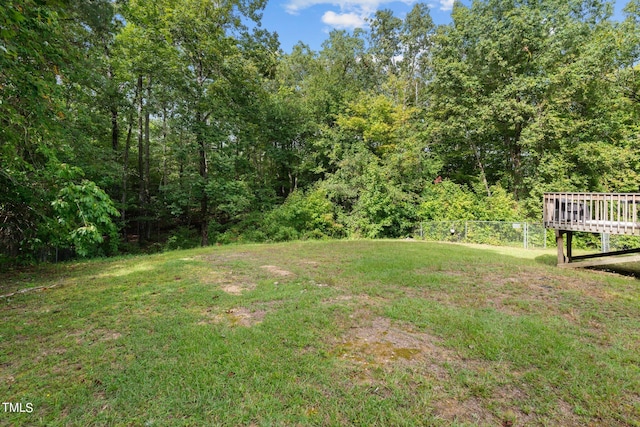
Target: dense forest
{"x":152,"y":124}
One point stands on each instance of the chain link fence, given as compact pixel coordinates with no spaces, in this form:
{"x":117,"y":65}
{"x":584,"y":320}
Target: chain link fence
{"x":617,"y":242}
{"x":528,"y":235}
{"x":498,"y":233}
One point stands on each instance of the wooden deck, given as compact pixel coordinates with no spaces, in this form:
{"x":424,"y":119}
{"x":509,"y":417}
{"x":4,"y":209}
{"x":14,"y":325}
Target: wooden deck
{"x":612,"y":213}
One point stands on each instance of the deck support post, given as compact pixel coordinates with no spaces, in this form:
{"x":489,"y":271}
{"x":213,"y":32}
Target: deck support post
{"x":560,"y":244}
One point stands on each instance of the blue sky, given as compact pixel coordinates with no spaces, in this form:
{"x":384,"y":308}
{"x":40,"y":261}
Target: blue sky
{"x":310,"y":21}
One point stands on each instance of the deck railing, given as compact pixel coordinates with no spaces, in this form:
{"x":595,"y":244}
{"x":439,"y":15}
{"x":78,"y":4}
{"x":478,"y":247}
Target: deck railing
{"x":613,"y":213}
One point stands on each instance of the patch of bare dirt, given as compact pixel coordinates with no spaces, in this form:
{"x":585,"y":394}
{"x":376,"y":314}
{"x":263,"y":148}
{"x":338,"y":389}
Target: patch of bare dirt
{"x":467,"y":411}
{"x":222,"y":258}
{"x":106,"y":335}
{"x":8,"y":380}
{"x":95,"y":335}
{"x":235,"y":289}
{"x":230,"y":281}
{"x":276,"y":270}
{"x":338,"y":299}
{"x":239,"y":316}
{"x":566,"y":414}
{"x":377,"y":342}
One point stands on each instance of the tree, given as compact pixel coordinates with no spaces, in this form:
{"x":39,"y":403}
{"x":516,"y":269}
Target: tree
{"x":516,"y":85}
{"x":38,"y":56}
{"x":218,"y":79}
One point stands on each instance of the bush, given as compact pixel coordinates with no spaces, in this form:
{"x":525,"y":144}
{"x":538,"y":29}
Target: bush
{"x":381,"y":211}
{"x":182,"y":238}
{"x":302,"y":216}
{"x":83,"y":220}
{"x":447,"y":200}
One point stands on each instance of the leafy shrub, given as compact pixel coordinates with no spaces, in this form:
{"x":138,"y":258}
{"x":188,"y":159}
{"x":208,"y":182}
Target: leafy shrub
{"x":302,"y":216}
{"x":83,"y":219}
{"x":447,"y":200}
{"x":499,"y":206}
{"x":380,"y":211}
{"x":182,"y":238}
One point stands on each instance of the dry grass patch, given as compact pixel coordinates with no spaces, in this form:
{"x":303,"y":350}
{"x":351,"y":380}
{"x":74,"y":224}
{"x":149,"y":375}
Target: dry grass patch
{"x":93,"y":335}
{"x":234,"y":289}
{"x":229,"y":280}
{"x":377,"y":342}
{"x":276,"y":270}
{"x":239,"y":316}
{"x":465,"y":411}
{"x":523,"y":292}
{"x":222,"y":258}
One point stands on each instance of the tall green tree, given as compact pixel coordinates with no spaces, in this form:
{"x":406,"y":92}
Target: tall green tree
{"x":218,"y":81}
{"x":517,"y":92}
{"x":42,"y":51}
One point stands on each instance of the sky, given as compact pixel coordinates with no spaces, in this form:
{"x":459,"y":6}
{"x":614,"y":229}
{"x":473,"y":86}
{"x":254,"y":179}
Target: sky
{"x":310,"y":21}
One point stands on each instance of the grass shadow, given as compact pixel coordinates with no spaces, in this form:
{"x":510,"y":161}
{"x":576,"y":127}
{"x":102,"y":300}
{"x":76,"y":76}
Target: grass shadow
{"x":629,"y":270}
{"x":546,"y":259}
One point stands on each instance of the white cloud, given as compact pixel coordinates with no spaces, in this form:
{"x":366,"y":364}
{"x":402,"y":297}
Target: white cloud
{"x":352,"y":13}
{"x":343,"y":20}
{"x":361,"y":7}
{"x":446,"y":4}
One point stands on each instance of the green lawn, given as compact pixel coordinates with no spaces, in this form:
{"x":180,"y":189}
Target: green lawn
{"x":321,"y":333}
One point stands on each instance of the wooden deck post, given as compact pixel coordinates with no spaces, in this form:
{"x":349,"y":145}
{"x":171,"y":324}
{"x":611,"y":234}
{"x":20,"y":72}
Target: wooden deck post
{"x":560,"y":244}
{"x":569,"y":245}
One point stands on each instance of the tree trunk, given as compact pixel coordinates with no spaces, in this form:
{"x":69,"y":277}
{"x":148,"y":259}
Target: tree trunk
{"x":516,"y":160}
{"x":147,"y":162}
{"x":141,"y":198}
{"x":204,"y":200}
{"x":125,"y":167}
{"x":163,"y":181}
{"x":483,"y":175}
{"x":115,"y":128}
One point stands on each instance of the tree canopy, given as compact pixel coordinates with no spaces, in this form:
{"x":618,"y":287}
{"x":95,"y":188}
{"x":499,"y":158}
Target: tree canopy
{"x":147,"y":124}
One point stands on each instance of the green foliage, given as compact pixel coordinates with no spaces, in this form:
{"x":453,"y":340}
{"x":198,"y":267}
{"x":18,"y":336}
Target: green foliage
{"x":307,"y":215}
{"x":379,"y":209}
{"x":182,"y":238}
{"x":524,"y":95}
{"x":447,"y":200}
{"x":189,"y":118}
{"x":499,"y":206}
{"x":379,"y":167}
{"x":83,"y":219}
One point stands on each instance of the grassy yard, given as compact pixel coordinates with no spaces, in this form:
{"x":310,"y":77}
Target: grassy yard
{"x":321,"y":333}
